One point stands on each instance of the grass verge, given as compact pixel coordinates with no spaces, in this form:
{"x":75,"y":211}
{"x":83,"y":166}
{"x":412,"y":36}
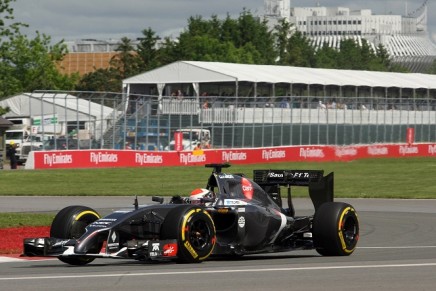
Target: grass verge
{"x":366,"y":178}
{"x":369,"y":178}
{"x":409,"y":178}
{"x":9,"y":220}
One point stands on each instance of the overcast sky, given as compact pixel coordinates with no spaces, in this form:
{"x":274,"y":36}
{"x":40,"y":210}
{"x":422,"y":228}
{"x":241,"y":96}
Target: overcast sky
{"x":113,"y":19}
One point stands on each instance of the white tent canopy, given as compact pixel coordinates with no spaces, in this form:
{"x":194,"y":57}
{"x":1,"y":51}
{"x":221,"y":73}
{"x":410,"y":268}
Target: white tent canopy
{"x":66,"y":107}
{"x":207,"y":72}
{"x":31,"y":104}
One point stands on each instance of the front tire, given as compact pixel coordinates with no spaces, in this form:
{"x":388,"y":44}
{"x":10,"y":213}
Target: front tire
{"x":335,"y":229}
{"x":70,"y":223}
{"x":194,"y":230}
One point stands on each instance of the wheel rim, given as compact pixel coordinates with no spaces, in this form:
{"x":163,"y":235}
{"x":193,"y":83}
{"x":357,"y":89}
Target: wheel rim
{"x":350,"y":231}
{"x":199,"y":234}
{"x":80,"y":223}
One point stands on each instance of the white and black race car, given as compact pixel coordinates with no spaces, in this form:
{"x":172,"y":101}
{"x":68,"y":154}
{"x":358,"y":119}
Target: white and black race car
{"x":239,"y":216}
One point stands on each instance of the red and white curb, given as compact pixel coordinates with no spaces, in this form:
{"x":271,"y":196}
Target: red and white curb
{"x":16,"y":258}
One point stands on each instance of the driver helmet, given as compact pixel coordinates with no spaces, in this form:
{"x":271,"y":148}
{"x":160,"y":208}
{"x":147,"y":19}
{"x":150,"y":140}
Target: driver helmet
{"x":200,"y":194}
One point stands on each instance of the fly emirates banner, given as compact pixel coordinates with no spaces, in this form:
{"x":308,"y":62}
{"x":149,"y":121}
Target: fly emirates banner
{"x":135,"y":158}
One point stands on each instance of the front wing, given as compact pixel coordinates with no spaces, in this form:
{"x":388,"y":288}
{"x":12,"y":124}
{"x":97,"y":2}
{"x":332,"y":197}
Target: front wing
{"x":133,"y":249}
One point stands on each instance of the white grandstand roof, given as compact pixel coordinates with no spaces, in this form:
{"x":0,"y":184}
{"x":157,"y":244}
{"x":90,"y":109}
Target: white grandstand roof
{"x":29,"y":104}
{"x":211,"y":72}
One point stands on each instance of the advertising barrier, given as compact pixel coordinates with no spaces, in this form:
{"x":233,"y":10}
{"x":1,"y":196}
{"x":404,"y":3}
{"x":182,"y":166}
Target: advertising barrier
{"x":135,"y":158}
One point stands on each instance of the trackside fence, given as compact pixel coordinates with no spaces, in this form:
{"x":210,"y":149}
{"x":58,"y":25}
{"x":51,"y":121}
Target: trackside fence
{"x":144,"y":122}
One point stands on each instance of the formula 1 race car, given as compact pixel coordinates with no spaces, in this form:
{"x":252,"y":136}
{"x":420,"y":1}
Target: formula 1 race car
{"x":233,"y":215}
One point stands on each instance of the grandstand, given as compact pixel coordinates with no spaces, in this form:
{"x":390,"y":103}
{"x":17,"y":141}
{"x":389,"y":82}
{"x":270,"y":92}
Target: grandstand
{"x":405,"y":37}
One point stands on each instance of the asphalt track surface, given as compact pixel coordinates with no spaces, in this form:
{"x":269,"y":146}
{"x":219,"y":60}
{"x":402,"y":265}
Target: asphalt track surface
{"x":396,"y":251}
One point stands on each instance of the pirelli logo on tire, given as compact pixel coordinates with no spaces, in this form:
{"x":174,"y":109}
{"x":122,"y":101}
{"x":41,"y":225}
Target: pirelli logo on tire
{"x":190,"y":249}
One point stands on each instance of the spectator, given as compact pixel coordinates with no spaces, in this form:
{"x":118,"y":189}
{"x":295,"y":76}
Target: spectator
{"x":11,"y":154}
{"x":270,"y":103}
{"x":284,"y":103}
{"x":179,"y":94}
{"x":321,"y":105}
{"x":205,"y":104}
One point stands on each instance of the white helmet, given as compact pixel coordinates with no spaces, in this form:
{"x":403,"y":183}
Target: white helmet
{"x":200,"y":196}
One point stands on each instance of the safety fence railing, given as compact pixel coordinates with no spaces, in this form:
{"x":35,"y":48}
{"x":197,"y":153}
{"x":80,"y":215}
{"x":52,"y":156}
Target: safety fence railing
{"x":117,"y":121}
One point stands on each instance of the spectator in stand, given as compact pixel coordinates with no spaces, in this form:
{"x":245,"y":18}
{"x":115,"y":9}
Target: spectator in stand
{"x":284,"y":103}
{"x":205,"y":104}
{"x":321,"y":105}
{"x":179,"y":94}
{"x":333,"y":104}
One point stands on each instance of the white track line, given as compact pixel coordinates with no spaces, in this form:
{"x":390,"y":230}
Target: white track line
{"x":400,"y":247}
{"x":13,"y":259}
{"x":232,"y":271}
{"x":10,"y":259}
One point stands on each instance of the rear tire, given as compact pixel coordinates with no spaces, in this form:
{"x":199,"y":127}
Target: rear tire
{"x":335,"y":229}
{"x":70,"y":223}
{"x":194,"y":230}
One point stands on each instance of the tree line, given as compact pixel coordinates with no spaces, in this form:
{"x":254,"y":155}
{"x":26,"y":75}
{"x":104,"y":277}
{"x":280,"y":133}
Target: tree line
{"x":33,"y":64}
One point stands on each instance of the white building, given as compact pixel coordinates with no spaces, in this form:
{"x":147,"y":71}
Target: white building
{"x":405,"y":37}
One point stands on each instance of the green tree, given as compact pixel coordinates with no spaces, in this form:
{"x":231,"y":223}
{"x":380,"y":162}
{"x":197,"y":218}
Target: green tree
{"x":355,"y":56}
{"x":169,"y":51}
{"x":126,"y":61}
{"x":8,"y":28}
{"x":386,"y":64}
{"x":4,"y":110}
{"x":349,"y":57}
{"x":282,"y":33}
{"x":28,"y":64}
{"x":383,"y":56}
{"x":255,"y":31}
{"x":8,"y":31}
{"x":34,"y":64}
{"x":149,"y":57}
{"x":101,"y":80}
{"x":326,"y":57}
{"x":246,"y":39}
{"x":432,"y":69}
{"x":299,"y":51}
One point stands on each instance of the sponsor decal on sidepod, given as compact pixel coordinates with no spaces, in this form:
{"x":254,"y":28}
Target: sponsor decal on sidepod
{"x":170,"y":250}
{"x":247,"y":188}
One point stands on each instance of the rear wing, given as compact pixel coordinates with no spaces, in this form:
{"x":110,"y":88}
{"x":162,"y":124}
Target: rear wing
{"x":320,"y":186}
